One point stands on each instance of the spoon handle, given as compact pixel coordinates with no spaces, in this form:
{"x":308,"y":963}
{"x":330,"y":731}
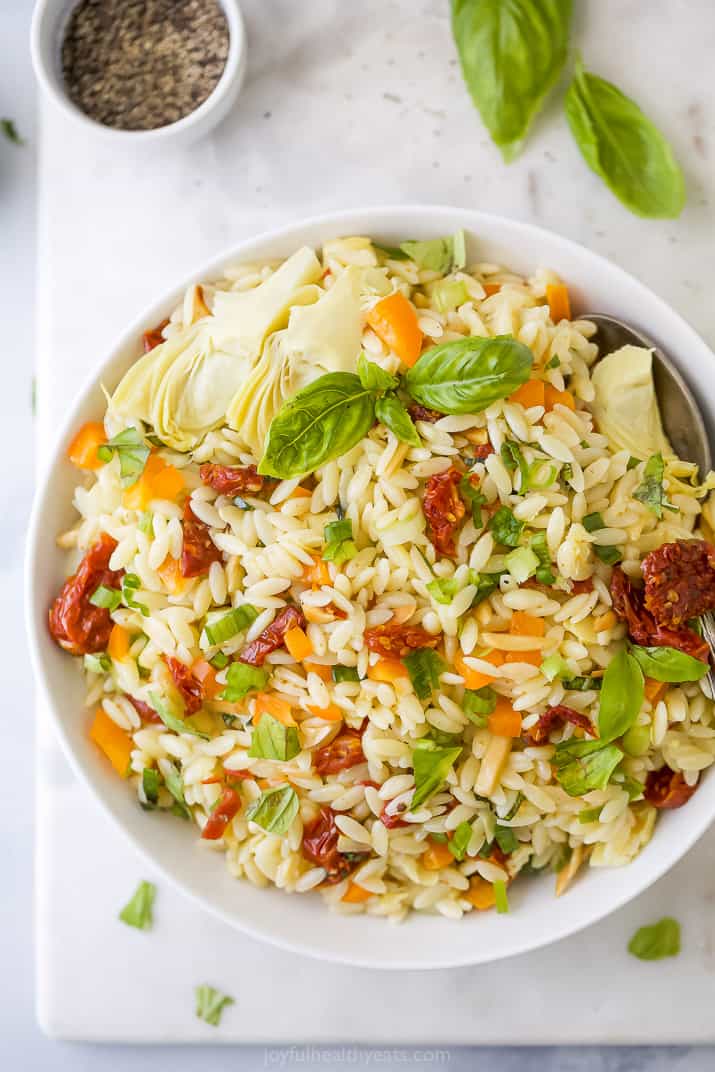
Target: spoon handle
{"x":708,"y":624}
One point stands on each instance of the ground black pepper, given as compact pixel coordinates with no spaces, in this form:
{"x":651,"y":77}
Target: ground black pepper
{"x":142,"y":64}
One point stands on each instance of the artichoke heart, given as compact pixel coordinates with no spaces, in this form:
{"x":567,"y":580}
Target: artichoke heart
{"x":625,"y":406}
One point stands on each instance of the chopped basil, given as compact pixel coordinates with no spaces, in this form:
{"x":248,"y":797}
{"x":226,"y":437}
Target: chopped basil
{"x":339,"y":543}
{"x":219,"y":661}
{"x":659,"y":940}
{"x":431,"y":765}
{"x":438,"y":254}
{"x":108,"y":598}
{"x":622,"y":694}
{"x":582,"y":684}
{"x":513,"y":459}
{"x":210,"y":1004}
{"x":222,"y":629}
{"x":98,"y":664}
{"x":344,"y":673}
{"x":444,"y":589}
{"x":651,"y":491}
{"x":515,"y":806}
{"x":175,"y":784}
{"x":460,"y":840}
{"x":501,"y":900}
{"x":241,"y":503}
{"x":424,"y":667}
{"x":7,"y":126}
{"x":272,"y":740}
{"x":132,"y":452}
{"x":566,"y":472}
{"x":374,"y":378}
{"x":242,"y":679}
{"x":632,"y":463}
{"x":610,"y":555}
{"x":138,"y":912}
{"x":668,"y":664}
{"x":505,"y":527}
{"x":477,"y":704}
{"x":151,"y":782}
{"x":585,"y":765}
{"x":593,"y":522}
{"x":473,"y":498}
{"x":130,"y":584}
{"x":275,"y":809}
{"x":506,"y":839}
{"x":172,"y":720}
{"x":554,"y":362}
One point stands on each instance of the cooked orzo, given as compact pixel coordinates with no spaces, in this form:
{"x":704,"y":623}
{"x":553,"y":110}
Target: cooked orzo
{"x":388,"y":582}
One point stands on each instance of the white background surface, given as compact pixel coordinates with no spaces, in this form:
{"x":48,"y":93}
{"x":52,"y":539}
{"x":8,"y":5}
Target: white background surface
{"x":334,"y":135}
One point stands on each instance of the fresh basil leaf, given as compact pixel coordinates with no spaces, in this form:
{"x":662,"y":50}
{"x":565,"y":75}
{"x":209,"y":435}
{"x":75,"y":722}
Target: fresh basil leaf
{"x":7,"y":126}
{"x":107,"y":598}
{"x":624,"y":147}
{"x":622,"y":694}
{"x":172,"y":720}
{"x":132,"y":451}
{"x":272,"y":740}
{"x":506,"y":839}
{"x":554,"y":362}
{"x":659,"y":940}
{"x":391,"y":412}
{"x":424,"y":667}
{"x":431,"y":765}
{"x":151,"y":783}
{"x":241,"y":678}
{"x":438,"y":254}
{"x":505,"y":527}
{"x":130,"y":584}
{"x":275,"y":809}
{"x":513,"y":459}
{"x":344,"y":673}
{"x":459,"y":842}
{"x":323,"y":421}
{"x":668,"y":664}
{"x":98,"y":664}
{"x":175,"y":784}
{"x":339,"y":543}
{"x":632,"y":463}
{"x":593,"y":522}
{"x":374,"y":378}
{"x":228,"y":625}
{"x":138,"y":912}
{"x":210,"y":1004}
{"x":512,"y":53}
{"x":474,"y":498}
{"x":585,"y":765}
{"x":467,"y":375}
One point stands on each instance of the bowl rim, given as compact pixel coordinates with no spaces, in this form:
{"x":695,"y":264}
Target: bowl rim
{"x":209,"y":112}
{"x":333,"y":223}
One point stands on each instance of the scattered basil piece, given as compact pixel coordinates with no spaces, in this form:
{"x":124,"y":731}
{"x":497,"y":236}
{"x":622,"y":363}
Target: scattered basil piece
{"x":10,"y":131}
{"x":441,"y":255}
{"x":459,"y":842}
{"x":138,"y":912}
{"x":506,"y":839}
{"x":98,"y":664}
{"x":632,"y":463}
{"x":513,"y":459}
{"x":130,"y":448}
{"x":210,"y":1004}
{"x":582,"y":684}
{"x":593,"y":522}
{"x":431,"y":765}
{"x":515,"y":806}
{"x":512,"y":53}
{"x":478,"y":704}
{"x":505,"y":527}
{"x":374,"y":378}
{"x":622,"y":694}
{"x":173,"y":721}
{"x":151,"y":782}
{"x":467,"y":375}
{"x":339,"y":543}
{"x":275,"y":809}
{"x":107,"y":598}
{"x":424,"y":667}
{"x":444,"y":589}
{"x":610,"y":555}
{"x":344,"y":673}
{"x":272,"y":740}
{"x":624,"y":147}
{"x":323,"y":421}
{"x":175,"y":784}
{"x":241,"y":678}
{"x":554,"y":362}
{"x":228,"y":625}
{"x":585,"y":765}
{"x":474,"y":498}
{"x":130,"y":584}
{"x":391,"y":412}
{"x":668,"y":664}
{"x":501,"y":901}
{"x":659,"y":940}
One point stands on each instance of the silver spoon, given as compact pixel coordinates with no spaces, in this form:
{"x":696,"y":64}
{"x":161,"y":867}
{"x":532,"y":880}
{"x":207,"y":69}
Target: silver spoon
{"x":680,"y":414}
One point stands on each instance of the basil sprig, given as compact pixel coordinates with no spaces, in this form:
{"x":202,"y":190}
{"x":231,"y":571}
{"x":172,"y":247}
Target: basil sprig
{"x":391,"y":412}
{"x":431,"y":765}
{"x":468,"y":375}
{"x":624,"y":147}
{"x":585,"y":765}
{"x":511,"y":52}
{"x":622,"y":695}
{"x":275,"y":809}
{"x":661,"y":939}
{"x":373,"y":377}
{"x":668,"y":664}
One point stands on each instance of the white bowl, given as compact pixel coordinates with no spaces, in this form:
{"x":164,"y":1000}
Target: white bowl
{"x":49,"y":20}
{"x":302,"y":923}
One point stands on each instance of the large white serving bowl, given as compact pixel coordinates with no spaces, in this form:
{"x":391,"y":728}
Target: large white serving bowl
{"x":301,"y":922}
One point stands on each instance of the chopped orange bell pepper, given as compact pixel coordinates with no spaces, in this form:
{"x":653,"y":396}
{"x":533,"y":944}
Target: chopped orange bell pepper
{"x":534,"y":658}
{"x":116,"y":744}
{"x":118,"y":645}
{"x":436,"y":856}
{"x":654,"y":689}
{"x":205,"y":674}
{"x":331,"y":713}
{"x":300,"y":492}
{"x":475,"y":679}
{"x":318,"y":573}
{"x":529,"y":394}
{"x":158,"y":481}
{"x":387,"y":670}
{"x":491,"y":288}
{"x":298,"y":644}
{"x":355,"y":894}
{"x":558,"y":398}
{"x":275,"y":706}
{"x":557,"y":295}
{"x":171,"y":575}
{"x":394,"y":320}
{"x":82,"y":451}
{"x":481,"y":894}
{"x":323,"y":672}
{"x":523,"y":624}
{"x":504,"y":721}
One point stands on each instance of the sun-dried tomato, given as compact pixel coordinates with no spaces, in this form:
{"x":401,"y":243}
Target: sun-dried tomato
{"x":199,"y":550}
{"x":225,"y":808}
{"x":480,"y":451}
{"x":666,"y":788}
{"x":188,"y":685}
{"x":344,"y":751}
{"x":231,"y":479}
{"x":579,"y":587}
{"x":320,"y":845}
{"x":554,"y":717}
{"x":394,"y":641}
{"x":145,"y":712}
{"x":392,"y":820}
{"x":154,"y":337}
{"x":76,"y":624}
{"x":422,"y":413}
{"x":273,"y":636}
{"x":629,"y":605}
{"x":444,"y":509}
{"x":679,"y":581}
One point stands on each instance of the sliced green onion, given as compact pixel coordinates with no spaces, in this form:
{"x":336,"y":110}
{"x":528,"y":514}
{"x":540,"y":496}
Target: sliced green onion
{"x":108,"y":598}
{"x":500,"y":897}
{"x":553,"y":666}
{"x":522,"y":563}
{"x":130,"y":584}
{"x":138,"y":912}
{"x":151,"y":781}
{"x":339,"y":543}
{"x":230,"y":624}
{"x":98,"y":664}
{"x":242,"y":679}
{"x":219,"y":661}
{"x":448,"y":294}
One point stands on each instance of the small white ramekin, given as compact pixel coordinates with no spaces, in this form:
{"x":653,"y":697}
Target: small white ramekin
{"x":49,"y":21}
